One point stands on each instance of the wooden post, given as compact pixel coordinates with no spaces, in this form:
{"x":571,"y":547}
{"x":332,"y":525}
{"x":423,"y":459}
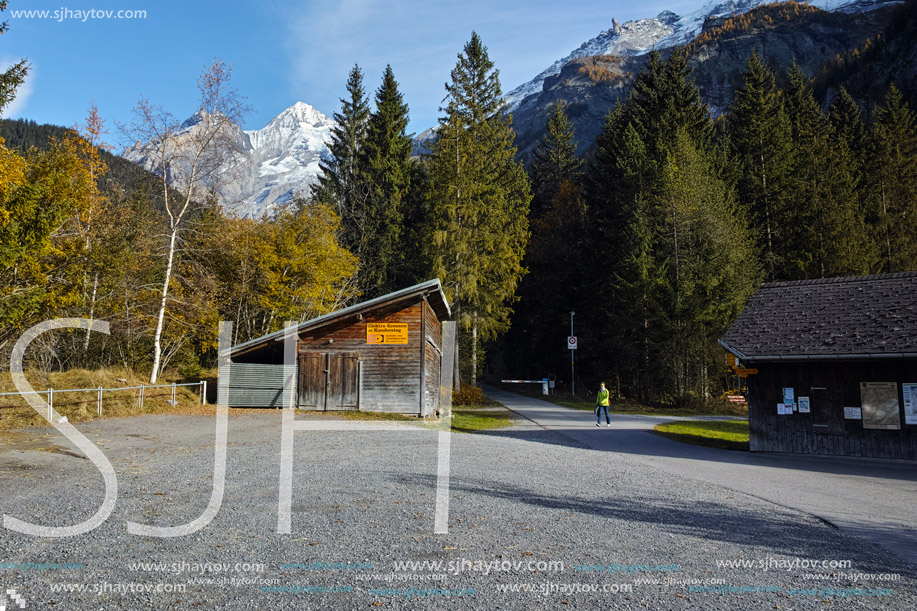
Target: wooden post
{"x":173,"y":394}
{"x":423,"y":354}
{"x":50,"y":403}
{"x":203,"y":392}
{"x":100,"y":400}
{"x":141,"y":396}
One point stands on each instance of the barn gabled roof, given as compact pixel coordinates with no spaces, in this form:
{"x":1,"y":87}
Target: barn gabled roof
{"x":431,"y":289}
{"x":835,"y":318}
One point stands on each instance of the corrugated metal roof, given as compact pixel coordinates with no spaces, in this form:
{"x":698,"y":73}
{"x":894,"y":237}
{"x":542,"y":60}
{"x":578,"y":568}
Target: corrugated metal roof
{"x":855,"y":317}
{"x":431,"y":288}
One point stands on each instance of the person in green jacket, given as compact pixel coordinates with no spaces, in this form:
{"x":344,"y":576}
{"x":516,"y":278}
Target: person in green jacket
{"x":601,"y":402}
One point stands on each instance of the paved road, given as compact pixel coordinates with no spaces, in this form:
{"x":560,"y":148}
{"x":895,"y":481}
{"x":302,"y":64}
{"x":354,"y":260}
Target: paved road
{"x":869,"y":498}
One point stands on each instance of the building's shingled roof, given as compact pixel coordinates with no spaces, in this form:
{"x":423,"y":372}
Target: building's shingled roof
{"x":855,"y":317}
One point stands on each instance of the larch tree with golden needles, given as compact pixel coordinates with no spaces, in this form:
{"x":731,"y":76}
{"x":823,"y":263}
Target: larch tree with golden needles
{"x":87,"y":143}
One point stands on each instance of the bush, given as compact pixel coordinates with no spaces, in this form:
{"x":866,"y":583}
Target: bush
{"x":468,"y":395}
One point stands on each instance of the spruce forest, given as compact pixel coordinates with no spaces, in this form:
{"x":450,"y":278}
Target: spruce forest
{"x":655,"y":239}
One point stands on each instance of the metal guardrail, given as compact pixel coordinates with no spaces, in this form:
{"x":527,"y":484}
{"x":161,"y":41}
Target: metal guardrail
{"x":51,"y":392}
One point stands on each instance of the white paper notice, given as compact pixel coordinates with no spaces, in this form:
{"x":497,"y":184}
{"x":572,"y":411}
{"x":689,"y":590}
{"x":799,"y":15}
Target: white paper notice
{"x":853,"y":413}
{"x":910,"y":402}
{"x":789,"y":398}
{"x":804,"y":407}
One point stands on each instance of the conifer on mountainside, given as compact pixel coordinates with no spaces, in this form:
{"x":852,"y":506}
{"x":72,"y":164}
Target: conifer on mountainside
{"x":826,"y":232}
{"x":670,"y":249}
{"x":624,"y":216}
{"x":704,"y":255}
{"x":554,"y":161}
{"x":548,"y":293}
{"x":892,"y":182}
{"x":759,"y":134}
{"x":846,"y":119}
{"x":479,"y":200}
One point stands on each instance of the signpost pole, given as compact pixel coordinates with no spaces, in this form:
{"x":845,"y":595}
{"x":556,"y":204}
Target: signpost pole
{"x":572,"y":369}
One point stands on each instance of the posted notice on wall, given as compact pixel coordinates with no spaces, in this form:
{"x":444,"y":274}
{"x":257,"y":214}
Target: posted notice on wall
{"x":784,"y":410}
{"x":387,"y":333}
{"x":789,"y":398}
{"x":804,"y":406}
{"x":880,"y":405}
{"x":910,"y":402}
{"x":853,"y":413}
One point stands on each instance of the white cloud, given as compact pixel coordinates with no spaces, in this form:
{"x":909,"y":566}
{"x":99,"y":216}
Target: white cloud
{"x":15,"y":108}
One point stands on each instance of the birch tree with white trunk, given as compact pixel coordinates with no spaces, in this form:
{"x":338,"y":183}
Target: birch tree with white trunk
{"x":186,"y":159}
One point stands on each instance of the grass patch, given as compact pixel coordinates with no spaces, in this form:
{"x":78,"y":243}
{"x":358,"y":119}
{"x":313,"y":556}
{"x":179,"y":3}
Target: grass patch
{"x":724,"y":434}
{"x":624,"y":407}
{"x":82,"y":406}
{"x":470,"y":418}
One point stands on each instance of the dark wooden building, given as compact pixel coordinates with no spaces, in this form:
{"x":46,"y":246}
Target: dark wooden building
{"x":836,"y":363}
{"x":382,"y":355}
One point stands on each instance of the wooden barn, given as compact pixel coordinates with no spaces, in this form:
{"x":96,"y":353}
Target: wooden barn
{"x":382,"y":355}
{"x":836,"y":363}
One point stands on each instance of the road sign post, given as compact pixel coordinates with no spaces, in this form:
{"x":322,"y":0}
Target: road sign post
{"x":571,"y":344}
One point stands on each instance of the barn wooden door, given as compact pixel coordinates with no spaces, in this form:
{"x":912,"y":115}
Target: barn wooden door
{"x":312,"y":380}
{"x":827,"y":405}
{"x":328,"y":381}
{"x":342,"y":381}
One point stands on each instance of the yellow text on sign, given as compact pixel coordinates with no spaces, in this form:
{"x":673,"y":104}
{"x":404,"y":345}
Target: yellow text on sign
{"x":387,"y":333}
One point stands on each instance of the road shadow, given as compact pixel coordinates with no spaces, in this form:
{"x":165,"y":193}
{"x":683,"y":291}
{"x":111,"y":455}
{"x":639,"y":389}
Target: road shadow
{"x":641,"y":442}
{"x":705,"y":520}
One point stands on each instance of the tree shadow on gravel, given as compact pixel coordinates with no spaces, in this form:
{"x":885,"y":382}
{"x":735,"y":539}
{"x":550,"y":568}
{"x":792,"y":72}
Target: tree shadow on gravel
{"x":640,"y":442}
{"x":779,"y":531}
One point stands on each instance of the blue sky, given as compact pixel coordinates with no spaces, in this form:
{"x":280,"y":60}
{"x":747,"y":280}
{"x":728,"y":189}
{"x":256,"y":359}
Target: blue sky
{"x":284,"y":51}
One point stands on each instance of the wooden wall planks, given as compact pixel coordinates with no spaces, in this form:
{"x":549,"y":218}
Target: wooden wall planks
{"x":797,"y":432}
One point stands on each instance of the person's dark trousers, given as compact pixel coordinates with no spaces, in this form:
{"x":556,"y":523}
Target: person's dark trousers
{"x":598,"y":414}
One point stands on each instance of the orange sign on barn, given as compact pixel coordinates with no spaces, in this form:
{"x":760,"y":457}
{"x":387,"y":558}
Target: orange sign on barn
{"x":386,"y":333}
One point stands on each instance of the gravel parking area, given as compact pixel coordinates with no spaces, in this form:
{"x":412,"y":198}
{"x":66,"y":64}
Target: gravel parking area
{"x":529,"y":510}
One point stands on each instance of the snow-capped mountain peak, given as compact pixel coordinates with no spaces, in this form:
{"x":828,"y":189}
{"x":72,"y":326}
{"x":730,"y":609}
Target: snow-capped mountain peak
{"x":663,"y":31}
{"x":271,"y":165}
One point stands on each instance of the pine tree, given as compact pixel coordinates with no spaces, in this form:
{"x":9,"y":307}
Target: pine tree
{"x":704,"y":249}
{"x":892,"y":182}
{"x":664,"y":100}
{"x":14,"y":76}
{"x":761,"y":142}
{"x":846,"y":119}
{"x":622,"y":215}
{"x":342,"y":182}
{"x":554,"y":257}
{"x":387,"y":164}
{"x":827,"y":236}
{"x":554,"y":161}
{"x":479,"y":200}
{"x":415,"y":263}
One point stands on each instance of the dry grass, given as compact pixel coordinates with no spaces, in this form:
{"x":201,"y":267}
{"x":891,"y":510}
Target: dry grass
{"x":82,"y":406}
{"x":466,"y":419}
{"x":78,"y":407}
